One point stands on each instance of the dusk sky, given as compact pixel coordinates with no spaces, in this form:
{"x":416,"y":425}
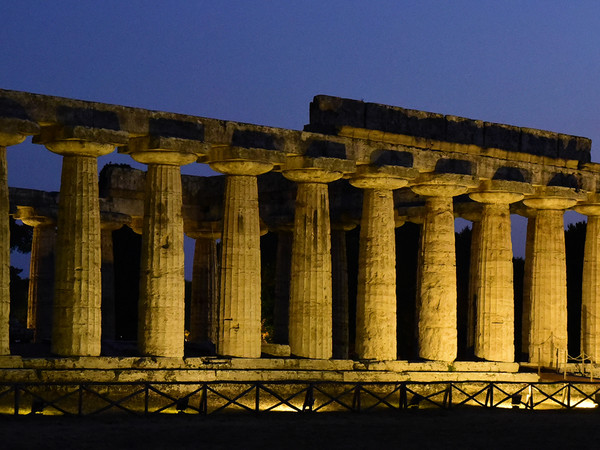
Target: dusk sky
{"x":534,"y":64}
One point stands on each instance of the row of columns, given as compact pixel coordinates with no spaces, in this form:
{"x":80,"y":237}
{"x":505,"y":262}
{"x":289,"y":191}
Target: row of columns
{"x":78,"y":285}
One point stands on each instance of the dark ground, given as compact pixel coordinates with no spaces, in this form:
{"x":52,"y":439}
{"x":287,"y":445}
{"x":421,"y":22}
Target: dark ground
{"x":467,"y":429}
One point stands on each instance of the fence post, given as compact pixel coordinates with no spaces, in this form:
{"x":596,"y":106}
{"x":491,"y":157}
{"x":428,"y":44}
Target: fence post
{"x":489,"y":397}
{"x":146,"y":398}
{"x":356,"y":399}
{"x":403,"y":401}
{"x":204,"y":400}
{"x":448,"y":397}
{"x":80,"y":401}
{"x":17,"y":399}
{"x":309,"y":399}
{"x":257,"y":398}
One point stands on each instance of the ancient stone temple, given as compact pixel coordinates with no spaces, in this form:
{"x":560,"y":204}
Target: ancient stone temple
{"x":356,"y":166}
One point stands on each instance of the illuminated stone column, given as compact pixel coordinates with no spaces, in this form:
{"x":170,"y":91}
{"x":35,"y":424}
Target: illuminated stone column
{"x":527,"y":276}
{"x":282,"y":287}
{"x":494,"y":336}
{"x":239,"y":327}
{"x":548,"y":330}
{"x":339,"y":282}
{"x":162,"y":284}
{"x":41,"y":272}
{"x":310,"y":313}
{"x":203,"y":286}
{"x":473,"y":283}
{"x":77,"y":320}
{"x":376,"y":295}
{"x":436,"y":315}
{"x":109,"y":222}
{"x":6,"y":139}
{"x":590,"y":292}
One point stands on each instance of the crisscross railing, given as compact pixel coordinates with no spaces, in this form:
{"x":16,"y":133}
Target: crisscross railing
{"x":145,"y":398}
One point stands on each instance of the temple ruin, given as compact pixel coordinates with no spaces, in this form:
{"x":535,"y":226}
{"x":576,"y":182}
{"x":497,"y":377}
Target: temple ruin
{"x":355,"y":164}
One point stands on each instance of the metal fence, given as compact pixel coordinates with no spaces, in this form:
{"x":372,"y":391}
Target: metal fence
{"x":146,"y":398}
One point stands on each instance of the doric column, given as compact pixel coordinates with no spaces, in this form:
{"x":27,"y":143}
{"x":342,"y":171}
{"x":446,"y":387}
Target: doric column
{"x":471,"y":211}
{"x":494,"y":331}
{"x":527,"y":277}
{"x":548,"y":331}
{"x":239,"y":313}
{"x":282,"y":287}
{"x":161,"y":321}
{"x":436,"y":313}
{"x":590,"y":286}
{"x":474,"y":278}
{"x":376,"y":292}
{"x":109,"y":222}
{"x":340,"y":333}
{"x":76,"y":324}
{"x":41,"y":272}
{"x":310,"y":313}
{"x":7,"y":138}
{"x":203,"y":286}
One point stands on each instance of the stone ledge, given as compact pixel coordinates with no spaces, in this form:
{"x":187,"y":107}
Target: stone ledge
{"x":250,"y":376}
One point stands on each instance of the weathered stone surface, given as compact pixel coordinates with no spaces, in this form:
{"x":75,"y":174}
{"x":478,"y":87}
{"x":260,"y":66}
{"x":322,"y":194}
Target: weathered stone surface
{"x":276,"y":350}
{"x":239,"y":312}
{"x":339,"y":281}
{"x":474,"y":278}
{"x":548,"y":291}
{"x":204,"y":288}
{"x":310,"y":312}
{"x":331,"y":114}
{"x":41,"y":273}
{"x":161,"y":304}
{"x":494,"y":336}
{"x":76,"y":324}
{"x":4,"y":255}
{"x":376,"y":297}
{"x":108,"y":285}
{"x":436,"y":302}
{"x":590,"y":294}
{"x":282,"y":287}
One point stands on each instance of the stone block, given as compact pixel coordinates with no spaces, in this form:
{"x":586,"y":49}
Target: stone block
{"x":504,"y":137}
{"x":539,"y":142}
{"x":464,"y":131}
{"x":574,"y":147}
{"x":328,"y":113}
{"x":173,"y":128}
{"x":277,"y":350}
{"x":410,"y":122}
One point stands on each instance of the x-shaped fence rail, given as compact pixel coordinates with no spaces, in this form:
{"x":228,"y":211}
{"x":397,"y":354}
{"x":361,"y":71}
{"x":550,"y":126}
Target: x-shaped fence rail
{"x":145,"y":398}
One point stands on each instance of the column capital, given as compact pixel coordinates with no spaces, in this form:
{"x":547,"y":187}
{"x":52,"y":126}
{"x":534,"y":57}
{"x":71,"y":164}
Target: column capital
{"x":8,"y":139}
{"x":161,"y":150}
{"x":79,"y":140}
{"x":385,"y":177}
{"x":232,"y":160}
{"x":204,"y":230}
{"x":555,"y":203}
{"x":14,"y":131}
{"x":443,"y":185}
{"x":33,"y":217}
{"x":136,"y":225}
{"x":468,"y":210}
{"x":500,"y":192}
{"x":588,"y":209}
{"x":496,"y":197}
{"x":303,"y":169}
{"x":113,"y":221}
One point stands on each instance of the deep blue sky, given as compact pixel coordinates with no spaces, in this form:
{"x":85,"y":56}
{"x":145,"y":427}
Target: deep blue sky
{"x":534,"y":63}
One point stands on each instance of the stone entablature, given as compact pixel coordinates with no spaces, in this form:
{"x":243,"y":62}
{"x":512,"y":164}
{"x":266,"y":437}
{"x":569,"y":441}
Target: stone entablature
{"x":394,"y":164}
